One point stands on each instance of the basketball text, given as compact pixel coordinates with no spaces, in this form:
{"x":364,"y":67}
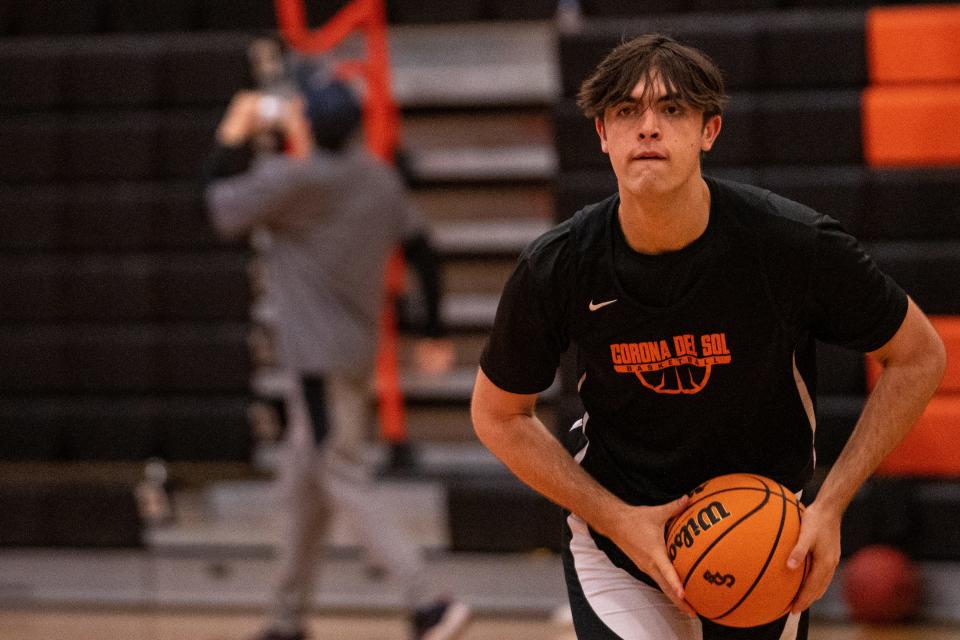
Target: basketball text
{"x":703,"y":520}
{"x":719,"y":579}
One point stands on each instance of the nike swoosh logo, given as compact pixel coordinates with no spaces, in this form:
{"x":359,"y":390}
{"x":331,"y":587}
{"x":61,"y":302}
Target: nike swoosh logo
{"x":601,"y":305}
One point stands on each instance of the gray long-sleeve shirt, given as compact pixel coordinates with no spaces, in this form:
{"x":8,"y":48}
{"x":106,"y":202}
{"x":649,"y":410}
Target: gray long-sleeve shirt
{"x":334,"y":220}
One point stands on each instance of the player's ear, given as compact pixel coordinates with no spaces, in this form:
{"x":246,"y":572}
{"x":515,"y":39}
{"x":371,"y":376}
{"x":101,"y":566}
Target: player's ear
{"x":711,"y":129}
{"x":601,"y":131}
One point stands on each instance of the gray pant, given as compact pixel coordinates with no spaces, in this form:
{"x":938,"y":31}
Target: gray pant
{"x":315,"y":481}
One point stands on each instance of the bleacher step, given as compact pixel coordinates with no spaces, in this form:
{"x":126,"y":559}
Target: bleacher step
{"x":474,"y":64}
{"x":488,"y":236}
{"x":467,"y":310}
{"x":505,"y":583}
{"x":480,"y":127}
{"x":522,"y":162}
{"x":472,"y":202}
{"x":429,"y":425}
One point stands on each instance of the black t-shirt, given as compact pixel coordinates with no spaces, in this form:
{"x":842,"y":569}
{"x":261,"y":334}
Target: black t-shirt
{"x":659,"y":280}
{"x":717,"y":374}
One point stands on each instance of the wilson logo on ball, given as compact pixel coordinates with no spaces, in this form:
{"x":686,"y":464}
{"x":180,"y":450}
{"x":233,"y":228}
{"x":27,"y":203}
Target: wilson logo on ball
{"x":721,"y":580}
{"x":695,"y":525}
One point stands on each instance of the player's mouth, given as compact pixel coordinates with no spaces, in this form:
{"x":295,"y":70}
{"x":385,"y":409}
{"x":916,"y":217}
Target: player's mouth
{"x":648,"y":155}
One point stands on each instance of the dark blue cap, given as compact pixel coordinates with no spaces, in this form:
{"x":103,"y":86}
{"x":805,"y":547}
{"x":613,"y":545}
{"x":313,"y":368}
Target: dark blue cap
{"x":331,"y":105}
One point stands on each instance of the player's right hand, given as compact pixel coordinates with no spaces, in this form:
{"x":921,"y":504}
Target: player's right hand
{"x":639,"y":533}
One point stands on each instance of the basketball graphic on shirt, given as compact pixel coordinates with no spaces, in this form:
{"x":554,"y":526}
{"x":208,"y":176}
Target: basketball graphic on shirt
{"x":730,"y":548}
{"x":684,"y":378}
{"x":681,"y":364}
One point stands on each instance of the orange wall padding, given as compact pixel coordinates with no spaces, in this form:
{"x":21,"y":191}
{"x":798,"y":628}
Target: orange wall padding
{"x":911,"y":125}
{"x":949,"y":329}
{"x":915,"y":43}
{"x":932,"y":448}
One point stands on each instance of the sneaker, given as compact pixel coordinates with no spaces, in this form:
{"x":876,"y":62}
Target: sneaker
{"x":273,"y":634}
{"x":442,"y":620}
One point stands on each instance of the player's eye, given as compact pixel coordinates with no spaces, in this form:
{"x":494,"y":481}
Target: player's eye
{"x":626,"y":110}
{"x":673,"y":109}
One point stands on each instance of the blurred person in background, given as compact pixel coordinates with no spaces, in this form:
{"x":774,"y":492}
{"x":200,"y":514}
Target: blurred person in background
{"x":335,"y":214}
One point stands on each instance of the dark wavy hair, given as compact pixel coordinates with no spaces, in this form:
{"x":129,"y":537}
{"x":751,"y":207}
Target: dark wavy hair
{"x":685,"y":72}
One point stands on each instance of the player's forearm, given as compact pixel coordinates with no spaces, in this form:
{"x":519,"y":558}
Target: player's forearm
{"x":899,"y":397}
{"x":527,"y":448}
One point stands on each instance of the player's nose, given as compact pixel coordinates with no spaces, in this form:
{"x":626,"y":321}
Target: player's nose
{"x":648,"y":125}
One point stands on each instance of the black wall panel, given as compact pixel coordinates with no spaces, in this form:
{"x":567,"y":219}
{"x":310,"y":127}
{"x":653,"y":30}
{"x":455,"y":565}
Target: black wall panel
{"x":810,"y":127}
{"x":740,"y":142}
{"x":113,"y":71}
{"x":137,"y":217}
{"x":113,"y":216}
{"x":934,"y":521}
{"x":814,"y":49}
{"x":629,"y":8}
{"x":434,"y":11}
{"x":150,"y":16}
{"x":64,"y":513}
{"x":34,"y":359}
{"x":520,"y":10}
{"x":204,"y":429}
{"x":111,"y":428}
{"x":105,"y":146}
{"x":237,"y":15}
{"x":60,"y":17}
{"x":913,"y":204}
{"x":927,"y":271}
{"x":524,"y":520}
{"x":128,"y":358}
{"x":185,"y":140}
{"x":839,"y":191}
{"x":31,"y":148}
{"x":206,"y":69}
{"x":31,"y":429}
{"x":33,"y":73}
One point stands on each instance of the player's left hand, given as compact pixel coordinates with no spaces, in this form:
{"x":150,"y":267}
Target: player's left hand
{"x":819,"y":537}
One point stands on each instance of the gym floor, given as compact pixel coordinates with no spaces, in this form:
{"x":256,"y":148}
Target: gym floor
{"x":99,"y":624}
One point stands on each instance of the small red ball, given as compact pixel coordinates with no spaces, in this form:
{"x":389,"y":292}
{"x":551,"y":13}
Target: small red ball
{"x":881,"y":585}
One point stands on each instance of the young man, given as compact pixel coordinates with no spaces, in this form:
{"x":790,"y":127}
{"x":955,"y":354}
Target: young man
{"x":693,"y":304}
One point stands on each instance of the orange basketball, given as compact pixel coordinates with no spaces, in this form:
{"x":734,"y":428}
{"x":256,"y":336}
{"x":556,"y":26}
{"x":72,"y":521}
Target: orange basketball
{"x":730,"y":547}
